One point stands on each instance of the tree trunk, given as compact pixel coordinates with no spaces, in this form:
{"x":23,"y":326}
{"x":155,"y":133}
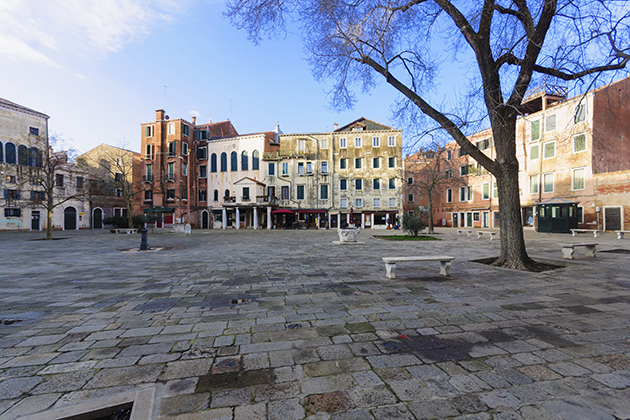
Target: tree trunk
{"x":49,"y":224}
{"x":129,"y":216}
{"x":431,"y":230}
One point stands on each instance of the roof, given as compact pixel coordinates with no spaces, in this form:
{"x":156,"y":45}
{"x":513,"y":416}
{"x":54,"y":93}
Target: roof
{"x":367,"y":124}
{"x":219,"y":129}
{"x":16,"y":107}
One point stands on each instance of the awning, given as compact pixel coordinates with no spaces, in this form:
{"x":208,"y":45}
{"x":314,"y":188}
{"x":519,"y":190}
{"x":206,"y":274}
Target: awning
{"x":282,"y":211}
{"x":311,"y":211}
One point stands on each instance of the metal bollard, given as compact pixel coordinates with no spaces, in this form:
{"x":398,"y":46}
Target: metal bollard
{"x":144,"y":242}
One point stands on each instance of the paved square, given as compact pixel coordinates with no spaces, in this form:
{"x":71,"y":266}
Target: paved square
{"x":244,"y":324}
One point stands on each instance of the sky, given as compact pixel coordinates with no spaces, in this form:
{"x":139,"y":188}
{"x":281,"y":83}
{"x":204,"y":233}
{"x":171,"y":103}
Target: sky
{"x":101,"y":68}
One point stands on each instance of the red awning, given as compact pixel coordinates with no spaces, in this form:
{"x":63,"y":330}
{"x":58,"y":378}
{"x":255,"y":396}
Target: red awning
{"x":282,"y":211}
{"x":311,"y":211}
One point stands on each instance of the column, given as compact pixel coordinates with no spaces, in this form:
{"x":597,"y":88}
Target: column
{"x":329,"y":220}
{"x":224,"y":221}
{"x":338,"y":220}
{"x":268,"y":218}
{"x":348,"y":218}
{"x":255,"y":218}
{"x":238,"y":218}
{"x":362,"y":220}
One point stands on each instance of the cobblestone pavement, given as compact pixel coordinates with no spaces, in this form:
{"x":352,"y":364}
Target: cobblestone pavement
{"x":285,"y":325}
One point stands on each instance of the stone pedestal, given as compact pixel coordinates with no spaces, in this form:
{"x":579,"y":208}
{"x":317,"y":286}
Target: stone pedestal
{"x":348,"y":236}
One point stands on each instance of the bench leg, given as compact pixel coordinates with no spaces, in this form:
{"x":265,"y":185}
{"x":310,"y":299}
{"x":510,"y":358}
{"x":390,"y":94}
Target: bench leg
{"x":619,"y":235}
{"x":590,"y":250}
{"x":491,"y":236}
{"x":445,"y":268}
{"x":596,"y":234}
{"x":574,"y":233}
{"x":479,"y":235}
{"x":390,"y":270}
{"x":468,"y":234}
{"x":567,"y":253}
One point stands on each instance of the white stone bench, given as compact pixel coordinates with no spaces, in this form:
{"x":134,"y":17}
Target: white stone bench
{"x":489,"y":233}
{"x":125,"y":230}
{"x":596,"y":232}
{"x":569,"y":249}
{"x":621,"y":232}
{"x":467,"y":232}
{"x":390,"y":263}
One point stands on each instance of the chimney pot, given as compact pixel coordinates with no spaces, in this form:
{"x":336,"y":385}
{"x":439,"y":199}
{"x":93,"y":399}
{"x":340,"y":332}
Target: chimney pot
{"x":335,"y":126}
{"x":194,"y":120}
{"x":159,"y":114}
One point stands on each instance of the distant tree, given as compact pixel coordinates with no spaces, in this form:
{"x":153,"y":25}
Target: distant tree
{"x":413,"y":223}
{"x":506,"y":44}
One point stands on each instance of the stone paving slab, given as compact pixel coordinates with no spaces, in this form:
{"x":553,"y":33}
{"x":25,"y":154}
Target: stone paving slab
{"x":285,"y":325}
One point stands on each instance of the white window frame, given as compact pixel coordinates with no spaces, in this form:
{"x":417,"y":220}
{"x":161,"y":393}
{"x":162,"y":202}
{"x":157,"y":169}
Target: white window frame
{"x":358,"y":181}
{"x":495,"y":190}
{"x":343,"y":143}
{"x":359,"y":161}
{"x":573,"y":170}
{"x":171,"y":128}
{"x":376,"y":184}
{"x":585,"y":141}
{"x":531,"y":131}
{"x":324,"y":143}
{"x":534,"y":180}
{"x":391,"y":141}
{"x":341,"y":187}
{"x":544,"y":183}
{"x":358,"y":202}
{"x":555,"y":123}
{"x":309,"y":167}
{"x":343,"y":203}
{"x":545,"y":147}
{"x":484,"y":186}
{"x":531,"y":147}
{"x":297,"y":194}
{"x":582,"y":105}
{"x":185,"y":169}
{"x":285,"y":168}
{"x":376,"y":202}
{"x":321,"y":187}
{"x":148,"y":131}
{"x":392,"y":202}
{"x":324,"y":166}
{"x":358,"y":141}
{"x":449,"y":155}
{"x":449,"y":195}
{"x":376,"y":142}
{"x":184,"y":148}
{"x":301,"y":145}
{"x":389,"y":184}
{"x":300,"y":168}
{"x":345,"y":163}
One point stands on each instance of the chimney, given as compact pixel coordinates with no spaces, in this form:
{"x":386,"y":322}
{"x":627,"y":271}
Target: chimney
{"x":335,"y":127}
{"x":210,"y":122}
{"x":159,"y":115}
{"x":194,"y":120}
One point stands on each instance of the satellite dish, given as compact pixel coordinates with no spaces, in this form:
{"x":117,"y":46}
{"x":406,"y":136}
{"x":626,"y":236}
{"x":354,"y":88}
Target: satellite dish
{"x":166,"y":117}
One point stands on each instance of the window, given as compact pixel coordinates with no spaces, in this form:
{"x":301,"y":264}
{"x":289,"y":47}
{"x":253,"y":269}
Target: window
{"x":80,"y":182}
{"x":301,"y":145}
{"x":463,"y":170}
{"x":343,"y":184}
{"x":534,"y":152}
{"x":410,"y":198}
{"x":10,"y":149}
{"x":284,"y":191}
{"x":171,"y":128}
{"x":185,"y":169}
{"x":309,"y":167}
{"x":358,"y":184}
{"x":357,"y":163}
{"x":392,"y":202}
{"x":300,"y":168}
{"x":448,"y":174}
{"x":358,"y":202}
{"x":149,"y":152}
{"x":324,"y":165}
{"x":184,"y":194}
{"x":484,"y":144}
{"x":391,"y":162}
{"x":391,"y":141}
{"x":8,"y":212}
{"x":580,"y":214}
{"x":579,"y":143}
{"x":244,"y":161}
{"x":285,"y":168}
{"x":343,"y":163}
{"x":226,"y":194}
{"x":410,"y":181}
{"x":461,"y":152}
{"x":271,"y":168}
{"x":578,"y":179}
{"x":11,"y":194}
{"x":449,"y":155}
{"x":549,"y":150}
{"x":245,"y":193}
{"x":203,"y":171}
{"x":343,"y":203}
{"x":59,"y":180}
{"x":357,"y":142}
{"x":323,"y":192}
{"x":22,"y":155}
{"x":202,"y":135}
{"x":465,"y":193}
{"x":34,"y":131}
{"x":376,"y":202}
{"x":223,"y":162}
{"x":171,"y":171}
{"x":495,"y":190}
{"x":185,"y":147}
{"x":550,"y":123}
{"x":449,"y":195}
{"x":535,"y":130}
{"x":324,"y":143}
{"x":213,"y":162}
{"x":148,"y":195}
{"x":376,"y":142}
{"x":485,"y":191}
{"x":376,"y":184}
{"x":580,"y":112}
{"x":271,"y":192}
{"x":548,"y":182}
{"x":185,"y":129}
{"x":202,"y":153}
{"x":215,"y":195}
{"x":11,"y":179}
{"x":533,"y":184}
{"x":148,"y":131}
{"x":255,"y":160}
{"x":342,"y":143}
{"x":376,"y":163}
{"x":149,"y":172}
{"x":392,"y":183}
{"x":170,"y":194}
{"x":202,"y":195}
{"x":234,"y":162}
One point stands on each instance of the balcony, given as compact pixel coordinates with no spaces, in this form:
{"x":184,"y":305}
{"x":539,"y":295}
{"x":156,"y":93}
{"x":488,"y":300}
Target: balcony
{"x":266,"y":199}
{"x":229,"y":200}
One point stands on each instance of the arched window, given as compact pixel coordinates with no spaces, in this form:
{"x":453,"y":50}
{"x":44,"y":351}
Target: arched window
{"x":32,"y":156}
{"x":216,"y":195}
{"x":22,"y":155}
{"x":234,"y":161}
{"x":244,"y":161}
{"x":227,"y":193}
{"x":223,"y":162}
{"x":1,"y":153}
{"x":39,"y":158}
{"x":255,"y":161}
{"x":10,"y":153}
{"x":213,"y":162}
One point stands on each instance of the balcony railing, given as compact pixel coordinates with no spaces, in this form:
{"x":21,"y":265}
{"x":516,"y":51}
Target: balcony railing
{"x":229,"y":200}
{"x":267,"y":199}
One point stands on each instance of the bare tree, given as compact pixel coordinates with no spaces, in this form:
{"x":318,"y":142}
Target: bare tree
{"x":506,"y":43}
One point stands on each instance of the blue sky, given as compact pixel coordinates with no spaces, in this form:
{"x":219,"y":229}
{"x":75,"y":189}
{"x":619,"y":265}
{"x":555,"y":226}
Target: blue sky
{"x":98,"y":69}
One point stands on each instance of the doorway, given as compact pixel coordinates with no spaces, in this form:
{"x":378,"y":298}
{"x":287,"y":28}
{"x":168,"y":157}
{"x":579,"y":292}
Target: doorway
{"x":35,"y":220}
{"x":612,"y":218}
{"x":97,"y":219}
{"x":70,"y":218}
{"x":455,"y":224}
{"x":204,"y":220}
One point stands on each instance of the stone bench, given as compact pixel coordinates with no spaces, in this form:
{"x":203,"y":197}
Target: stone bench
{"x":569,"y":249}
{"x":467,"y":232}
{"x":596,"y":232}
{"x":621,"y":232}
{"x":126,"y":230}
{"x":489,"y":233}
{"x":390,"y":263}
